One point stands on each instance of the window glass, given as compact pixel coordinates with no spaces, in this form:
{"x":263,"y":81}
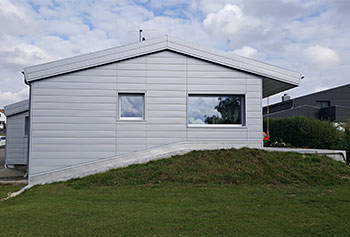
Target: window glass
{"x":323,"y":104}
{"x":131,"y":106}
{"x":216,"y":109}
{"x":26,"y":125}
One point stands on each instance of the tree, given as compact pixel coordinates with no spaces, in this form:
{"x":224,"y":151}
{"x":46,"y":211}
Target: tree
{"x":229,"y":109}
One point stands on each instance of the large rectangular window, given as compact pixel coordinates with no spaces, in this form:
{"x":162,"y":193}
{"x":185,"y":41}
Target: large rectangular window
{"x":131,"y":106}
{"x":216,"y":109}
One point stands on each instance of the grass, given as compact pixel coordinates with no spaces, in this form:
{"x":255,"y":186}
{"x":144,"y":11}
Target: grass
{"x":241,"y":192}
{"x":2,"y":134}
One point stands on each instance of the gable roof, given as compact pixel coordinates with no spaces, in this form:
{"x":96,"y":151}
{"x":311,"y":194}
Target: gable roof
{"x":17,"y":108}
{"x":276,"y":79}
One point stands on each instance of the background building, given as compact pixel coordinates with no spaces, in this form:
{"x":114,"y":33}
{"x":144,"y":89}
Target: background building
{"x":332,"y":104}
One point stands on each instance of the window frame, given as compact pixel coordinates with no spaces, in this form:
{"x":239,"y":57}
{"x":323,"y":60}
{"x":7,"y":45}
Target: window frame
{"x":119,"y":105}
{"x":244,"y":111}
{"x":323,"y":101}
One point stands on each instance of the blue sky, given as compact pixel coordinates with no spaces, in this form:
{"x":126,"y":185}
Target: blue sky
{"x":309,"y":36}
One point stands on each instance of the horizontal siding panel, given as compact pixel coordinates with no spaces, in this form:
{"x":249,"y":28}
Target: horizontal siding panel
{"x":163,"y":60}
{"x":132,"y":80}
{"x":131,"y":126}
{"x":74,"y":148}
{"x":74,"y":99}
{"x":165,"y":134}
{"x":131,"y":87}
{"x":234,"y":88}
{"x":166,"y":80}
{"x":165,"y":114}
{"x":75,"y":141}
{"x":54,"y":163}
{"x":74,"y":120}
{"x":166,"y":67}
{"x":178,"y":101}
{"x":130,"y":134}
{"x":131,"y":73}
{"x":70,"y":134}
{"x":130,"y":141}
{"x":165,"y":108}
{"x":80,"y":78}
{"x":167,"y":127}
{"x":62,"y":112}
{"x":74,"y":85}
{"x":75,"y":106}
{"x":166,"y":74}
{"x":130,"y":148}
{"x":73,"y":127}
{"x":217,"y":81}
{"x":74,"y":92}
{"x":95,"y":72}
{"x":166,"y":120}
{"x":162,"y":141}
{"x":71,"y":155}
{"x":211,"y":74}
{"x":132,"y":66}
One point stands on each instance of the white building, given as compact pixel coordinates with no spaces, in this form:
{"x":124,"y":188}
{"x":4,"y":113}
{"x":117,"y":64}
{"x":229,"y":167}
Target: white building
{"x":2,"y":120}
{"x":149,"y":99}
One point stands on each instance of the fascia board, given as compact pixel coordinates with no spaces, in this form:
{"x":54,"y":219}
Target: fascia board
{"x":94,"y":59}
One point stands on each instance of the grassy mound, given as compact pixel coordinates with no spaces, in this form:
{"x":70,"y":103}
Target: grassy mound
{"x":234,"y":166}
{"x":202,"y":193}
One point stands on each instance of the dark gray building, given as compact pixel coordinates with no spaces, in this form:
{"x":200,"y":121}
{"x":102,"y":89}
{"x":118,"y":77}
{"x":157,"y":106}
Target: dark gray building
{"x":332,"y":104}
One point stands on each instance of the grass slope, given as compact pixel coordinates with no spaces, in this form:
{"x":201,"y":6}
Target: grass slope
{"x":243,"y":192}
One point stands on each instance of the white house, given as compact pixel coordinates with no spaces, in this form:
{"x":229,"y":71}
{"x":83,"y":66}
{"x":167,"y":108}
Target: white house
{"x":17,"y":133}
{"x":150,"y":99}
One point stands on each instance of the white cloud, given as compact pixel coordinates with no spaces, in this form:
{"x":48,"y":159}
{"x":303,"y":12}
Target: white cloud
{"x":246,"y":51}
{"x":8,"y":97}
{"x":229,"y":20}
{"x":321,"y":56}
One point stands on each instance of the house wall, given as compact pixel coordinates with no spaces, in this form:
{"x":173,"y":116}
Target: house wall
{"x":16,"y":141}
{"x":75,"y":116}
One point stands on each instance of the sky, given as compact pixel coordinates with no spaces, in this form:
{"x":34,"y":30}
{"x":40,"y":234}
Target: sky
{"x":308,"y":36}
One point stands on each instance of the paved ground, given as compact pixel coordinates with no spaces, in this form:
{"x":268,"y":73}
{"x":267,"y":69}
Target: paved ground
{"x":8,"y":174}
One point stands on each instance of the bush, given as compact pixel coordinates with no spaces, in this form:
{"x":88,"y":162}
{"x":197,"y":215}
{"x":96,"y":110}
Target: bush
{"x":305,"y":132}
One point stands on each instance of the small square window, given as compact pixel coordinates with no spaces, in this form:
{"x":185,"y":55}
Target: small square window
{"x":131,"y":106}
{"x":323,"y":103}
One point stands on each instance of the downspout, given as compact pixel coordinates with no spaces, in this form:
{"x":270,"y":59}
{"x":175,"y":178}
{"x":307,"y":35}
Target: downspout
{"x":29,"y":122}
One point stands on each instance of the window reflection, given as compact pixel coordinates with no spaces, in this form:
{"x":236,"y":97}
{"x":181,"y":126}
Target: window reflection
{"x":215,"y":109}
{"x":131,"y":105}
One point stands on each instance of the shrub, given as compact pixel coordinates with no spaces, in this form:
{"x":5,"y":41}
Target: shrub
{"x":304,"y":132}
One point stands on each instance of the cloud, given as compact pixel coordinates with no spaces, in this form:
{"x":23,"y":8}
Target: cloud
{"x":8,"y":97}
{"x":249,"y":52}
{"x":229,"y":20}
{"x":321,"y":56}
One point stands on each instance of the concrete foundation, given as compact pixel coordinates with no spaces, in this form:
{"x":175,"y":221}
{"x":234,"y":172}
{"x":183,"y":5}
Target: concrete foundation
{"x":338,"y":155}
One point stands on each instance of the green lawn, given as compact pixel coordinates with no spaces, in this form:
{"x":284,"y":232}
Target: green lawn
{"x":226,"y":192}
{"x":2,"y":134}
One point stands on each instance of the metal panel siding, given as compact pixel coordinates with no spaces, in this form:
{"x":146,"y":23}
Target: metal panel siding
{"x":17,"y":142}
{"x":73,"y":119}
{"x":73,"y":125}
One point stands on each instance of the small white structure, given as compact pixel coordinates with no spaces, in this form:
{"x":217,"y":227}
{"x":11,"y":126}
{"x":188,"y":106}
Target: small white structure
{"x":17,"y":133}
{"x":2,"y":120}
{"x":149,"y":99}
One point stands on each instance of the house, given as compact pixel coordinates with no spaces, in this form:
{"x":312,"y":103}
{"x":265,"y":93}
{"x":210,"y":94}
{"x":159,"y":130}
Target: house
{"x":17,"y":133}
{"x":150,"y":99}
{"x":332,"y":104}
{"x":2,"y":120}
